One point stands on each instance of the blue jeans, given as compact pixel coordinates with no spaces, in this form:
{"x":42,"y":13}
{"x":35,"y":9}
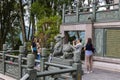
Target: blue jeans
{"x":38,"y":56}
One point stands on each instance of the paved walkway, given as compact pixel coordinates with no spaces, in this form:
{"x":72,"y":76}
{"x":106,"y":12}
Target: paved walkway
{"x":103,"y":71}
{"x":100,"y":74}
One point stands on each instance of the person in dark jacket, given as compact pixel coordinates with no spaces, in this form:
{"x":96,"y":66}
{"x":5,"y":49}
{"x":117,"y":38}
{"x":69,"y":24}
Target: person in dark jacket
{"x":89,"y":55}
{"x":34,"y":47}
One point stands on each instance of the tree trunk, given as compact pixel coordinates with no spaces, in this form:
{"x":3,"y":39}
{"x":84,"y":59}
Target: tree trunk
{"x":77,"y":32}
{"x":3,"y":22}
{"x":22,"y":22}
{"x":33,"y":26}
{"x":0,"y":26}
{"x":29,"y":30}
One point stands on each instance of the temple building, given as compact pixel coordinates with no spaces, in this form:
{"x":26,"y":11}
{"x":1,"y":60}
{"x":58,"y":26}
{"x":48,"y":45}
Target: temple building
{"x":98,"y":19}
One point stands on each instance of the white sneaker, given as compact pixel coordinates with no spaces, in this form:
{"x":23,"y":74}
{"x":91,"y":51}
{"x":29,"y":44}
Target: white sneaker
{"x":88,"y":72}
{"x":91,"y":71}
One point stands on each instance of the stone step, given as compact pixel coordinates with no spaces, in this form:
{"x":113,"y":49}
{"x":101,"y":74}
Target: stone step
{"x":107,"y":59}
{"x":107,"y":66}
{"x":107,"y":63}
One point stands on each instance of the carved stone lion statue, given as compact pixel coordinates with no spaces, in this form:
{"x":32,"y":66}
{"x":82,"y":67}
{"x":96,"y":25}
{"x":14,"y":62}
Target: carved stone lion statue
{"x":63,"y":50}
{"x":58,"y":46}
{"x":68,"y":51}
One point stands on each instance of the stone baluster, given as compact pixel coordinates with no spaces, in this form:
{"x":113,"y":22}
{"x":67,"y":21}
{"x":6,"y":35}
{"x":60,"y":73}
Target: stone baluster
{"x":42,"y":64}
{"x":63,"y":14}
{"x":3,"y":57}
{"x":78,"y":65}
{"x":77,"y":11}
{"x":30,"y":67}
{"x":119,"y":10}
{"x":21,"y":51}
{"x":78,"y":74}
{"x":25,"y":49}
{"x":94,"y":10}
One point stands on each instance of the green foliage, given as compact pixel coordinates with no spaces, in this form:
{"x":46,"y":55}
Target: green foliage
{"x":48,"y":27}
{"x":28,"y":45}
{"x":17,"y":43}
{"x":48,"y":23}
{"x":40,"y":9}
{"x":10,"y":26}
{"x":47,"y":8}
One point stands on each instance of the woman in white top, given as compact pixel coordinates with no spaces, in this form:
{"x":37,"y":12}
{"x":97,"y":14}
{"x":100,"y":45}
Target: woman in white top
{"x":78,"y":45}
{"x":78,"y":48}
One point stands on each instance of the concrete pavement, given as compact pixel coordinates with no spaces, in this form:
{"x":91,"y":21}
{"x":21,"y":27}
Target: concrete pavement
{"x":103,"y":71}
{"x":100,"y":74}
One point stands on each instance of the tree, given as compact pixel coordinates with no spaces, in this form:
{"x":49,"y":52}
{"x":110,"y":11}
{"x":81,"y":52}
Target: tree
{"x":48,"y":13}
{"x":22,"y":20}
{"x":48,"y":27}
{"x":9,"y":22}
{"x":47,"y":8}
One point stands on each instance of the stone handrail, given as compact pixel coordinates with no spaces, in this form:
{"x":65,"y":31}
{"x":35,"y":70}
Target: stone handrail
{"x":75,"y":69}
{"x":89,"y":14}
{"x":12,"y":65}
{"x":48,"y":73}
{"x":27,"y":71}
{"x":25,"y":77}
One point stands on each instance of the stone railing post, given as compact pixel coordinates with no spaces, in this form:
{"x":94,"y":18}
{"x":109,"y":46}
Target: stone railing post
{"x":77,"y":11}
{"x":78,"y":65}
{"x":43,"y":58}
{"x":94,"y":10}
{"x":63,"y":14}
{"x":42,"y":61}
{"x":20,"y":65}
{"x":119,"y":10}
{"x":30,"y":67}
{"x":78,"y":75}
{"x":25,"y":49}
{"x":3,"y":59}
{"x":21,"y":51}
